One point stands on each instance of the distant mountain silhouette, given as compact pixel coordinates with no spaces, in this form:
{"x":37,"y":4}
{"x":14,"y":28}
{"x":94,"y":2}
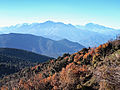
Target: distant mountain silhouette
{"x":39,"y":44}
{"x":99,"y":29}
{"x":89,"y":35}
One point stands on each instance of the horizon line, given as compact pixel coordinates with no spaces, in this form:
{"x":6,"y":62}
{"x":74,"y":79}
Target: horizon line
{"x":1,"y":26}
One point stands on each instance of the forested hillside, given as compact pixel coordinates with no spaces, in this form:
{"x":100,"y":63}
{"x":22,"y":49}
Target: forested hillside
{"x":89,"y":69}
{"x":13,"y":60}
{"x":23,"y":54}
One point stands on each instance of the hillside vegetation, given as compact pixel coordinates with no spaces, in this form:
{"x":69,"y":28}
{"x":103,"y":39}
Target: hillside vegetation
{"x":89,"y":69}
{"x":13,"y":60}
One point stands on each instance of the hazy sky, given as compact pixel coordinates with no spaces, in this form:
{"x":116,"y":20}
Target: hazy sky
{"x":80,"y":12}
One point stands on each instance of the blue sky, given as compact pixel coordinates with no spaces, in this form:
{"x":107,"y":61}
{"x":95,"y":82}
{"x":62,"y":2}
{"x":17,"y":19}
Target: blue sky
{"x":76,"y":12}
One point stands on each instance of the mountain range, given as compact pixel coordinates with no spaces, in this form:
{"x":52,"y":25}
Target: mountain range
{"x":89,"y":35}
{"x":99,"y":29}
{"x":39,"y":44}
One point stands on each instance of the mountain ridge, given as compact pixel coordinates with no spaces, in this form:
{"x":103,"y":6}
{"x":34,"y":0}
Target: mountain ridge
{"x":38,"y":44}
{"x":100,"y":29}
{"x":59,"y":30}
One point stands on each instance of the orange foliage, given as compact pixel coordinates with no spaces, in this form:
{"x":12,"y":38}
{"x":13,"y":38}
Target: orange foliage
{"x":78,"y":62}
{"x":81,"y":52}
{"x":32,"y":68}
{"x":77,"y":57}
{"x":55,"y":80}
{"x":44,"y":81}
{"x":35,"y":67}
{"x":105,"y":45}
{"x":4,"y":88}
{"x":86,"y":55}
{"x":30,"y":83}
{"x":69,"y":65}
{"x":75,"y":53}
{"x":38,"y":76}
{"x":97,"y":54}
{"x":84,"y":68}
{"x":71,"y":74}
{"x":92,"y":51}
{"x":66,"y":72}
{"x":63,"y":74}
{"x":75,"y":68}
{"x":52,"y":61}
{"x":21,"y":82}
{"x":49,"y":78}
{"x":26,"y":86}
{"x":98,"y":48}
{"x":13,"y":88}
{"x":55,"y":88}
{"x":66,"y":57}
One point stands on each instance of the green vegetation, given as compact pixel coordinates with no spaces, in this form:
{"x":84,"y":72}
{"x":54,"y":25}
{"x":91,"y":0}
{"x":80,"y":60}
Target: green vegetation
{"x":13,"y":60}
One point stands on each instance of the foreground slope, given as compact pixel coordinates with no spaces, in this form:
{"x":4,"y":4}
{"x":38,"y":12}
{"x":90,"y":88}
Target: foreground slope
{"x":38,"y":44}
{"x":88,"y":69}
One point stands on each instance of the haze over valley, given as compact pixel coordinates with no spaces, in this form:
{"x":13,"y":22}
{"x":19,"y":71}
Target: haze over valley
{"x":89,"y":35}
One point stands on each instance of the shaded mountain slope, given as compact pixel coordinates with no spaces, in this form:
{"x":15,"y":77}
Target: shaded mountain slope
{"x":39,"y":44}
{"x":23,"y":54}
{"x":13,"y":60}
{"x":88,"y":69}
